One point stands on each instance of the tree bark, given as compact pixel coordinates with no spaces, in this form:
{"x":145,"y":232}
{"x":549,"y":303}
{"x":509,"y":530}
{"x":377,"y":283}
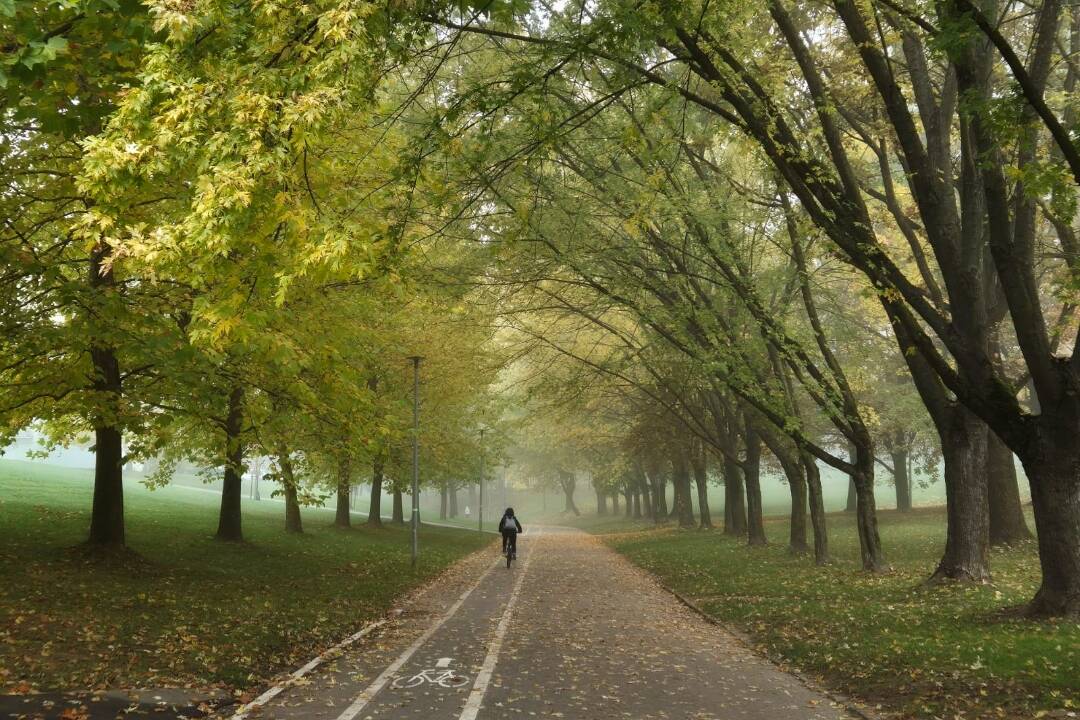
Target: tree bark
{"x":615,"y":502}
{"x":342,"y":518}
{"x":901,"y":478}
{"x":1055,"y":497}
{"x":1007,"y":523}
{"x":734,"y":500}
{"x":398,"y":513}
{"x":229,"y":524}
{"x":444,"y":503}
{"x":293,"y":520}
{"x":852,"y":496}
{"x":794,"y":472}
{"x":967,"y":544}
{"x":684,"y":508}
{"x":107,"y":513}
{"x":452,"y":491}
{"x":817,"y":508}
{"x":699,"y":461}
{"x":873,"y":559}
{"x":601,"y":503}
{"x":755,"y":521}
{"x":635,"y":497}
{"x":568,"y":483}
{"x":374,"y":518}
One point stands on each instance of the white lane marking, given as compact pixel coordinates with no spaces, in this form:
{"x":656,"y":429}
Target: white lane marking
{"x":483,"y":678}
{"x":276,"y":689}
{"x":443,"y":662}
{"x":380,"y":682}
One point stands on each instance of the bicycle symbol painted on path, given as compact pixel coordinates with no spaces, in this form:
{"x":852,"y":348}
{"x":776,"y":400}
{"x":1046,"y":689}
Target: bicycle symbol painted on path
{"x":441,"y":675}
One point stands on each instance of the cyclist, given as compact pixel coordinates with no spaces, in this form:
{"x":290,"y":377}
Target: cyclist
{"x":509,"y":527}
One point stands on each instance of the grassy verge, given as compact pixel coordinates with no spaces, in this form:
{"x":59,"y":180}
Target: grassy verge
{"x":190,"y":610}
{"x":950,"y":651}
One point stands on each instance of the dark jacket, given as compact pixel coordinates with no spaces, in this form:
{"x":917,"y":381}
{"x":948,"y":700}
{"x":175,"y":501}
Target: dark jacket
{"x":509,"y":523}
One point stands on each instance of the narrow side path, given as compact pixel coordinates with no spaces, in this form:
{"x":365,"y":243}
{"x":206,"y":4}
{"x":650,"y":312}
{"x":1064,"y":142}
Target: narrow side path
{"x":573,"y":630}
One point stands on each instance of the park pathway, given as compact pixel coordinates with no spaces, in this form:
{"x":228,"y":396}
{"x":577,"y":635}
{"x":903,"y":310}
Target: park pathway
{"x":572,"y":631}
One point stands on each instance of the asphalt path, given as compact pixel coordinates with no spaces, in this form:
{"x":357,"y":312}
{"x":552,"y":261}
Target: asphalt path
{"x":572,"y":630}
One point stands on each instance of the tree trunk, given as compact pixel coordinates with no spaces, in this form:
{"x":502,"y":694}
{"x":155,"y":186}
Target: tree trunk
{"x":684,"y":508}
{"x":628,"y":500}
{"x":658,"y":489}
{"x":967,"y":543}
{"x":342,"y":518}
{"x":398,"y":516}
{"x":444,"y":503}
{"x":789,"y":460}
{"x":866,"y":508}
{"x":615,"y":502}
{"x":107,"y":513}
{"x":817,"y":508}
{"x":636,"y":497}
{"x":755,"y":521}
{"x":734,"y":500}
{"x":601,"y":503}
{"x":852,"y":496}
{"x":699,"y":461}
{"x":1055,"y":498}
{"x":452,"y":490}
{"x":1007,"y":523}
{"x":374,"y":518}
{"x":229,"y":526}
{"x":568,"y":483}
{"x":293,"y":521}
{"x":901,"y":478}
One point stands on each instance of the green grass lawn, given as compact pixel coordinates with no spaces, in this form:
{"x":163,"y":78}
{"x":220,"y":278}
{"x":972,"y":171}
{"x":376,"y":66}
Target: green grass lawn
{"x":949,"y":651}
{"x":190,"y":610}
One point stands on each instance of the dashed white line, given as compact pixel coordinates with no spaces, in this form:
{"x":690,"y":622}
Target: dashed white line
{"x":276,"y":689}
{"x":483,"y":678}
{"x":380,"y":682}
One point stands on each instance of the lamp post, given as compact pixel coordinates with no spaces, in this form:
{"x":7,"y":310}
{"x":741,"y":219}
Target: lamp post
{"x":481,"y":508}
{"x":416,"y":459}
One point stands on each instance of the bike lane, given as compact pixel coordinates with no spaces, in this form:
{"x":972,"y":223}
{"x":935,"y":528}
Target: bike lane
{"x":424,"y":663}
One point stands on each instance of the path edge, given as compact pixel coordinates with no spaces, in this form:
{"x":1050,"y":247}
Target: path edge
{"x":850,"y":704}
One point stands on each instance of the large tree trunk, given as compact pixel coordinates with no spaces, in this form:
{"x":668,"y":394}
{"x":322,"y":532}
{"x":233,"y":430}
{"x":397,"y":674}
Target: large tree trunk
{"x":229,"y":526}
{"x":817,"y":508}
{"x":734,"y":500}
{"x":699,"y":461}
{"x":107,"y":513}
{"x":601,"y":503}
{"x":658,"y":490}
{"x":901,"y":478}
{"x":374,"y":518}
{"x":398,"y":514}
{"x":681,"y":477}
{"x":1007,"y":523}
{"x":755,"y":521}
{"x":1055,"y":497}
{"x":452,"y":491}
{"x":342,"y":518}
{"x":967,"y":543}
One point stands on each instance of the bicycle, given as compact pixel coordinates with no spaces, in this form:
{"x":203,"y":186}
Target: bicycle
{"x":449,"y":679}
{"x":510,"y":557}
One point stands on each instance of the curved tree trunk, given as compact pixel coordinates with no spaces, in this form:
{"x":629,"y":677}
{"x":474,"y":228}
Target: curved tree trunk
{"x":1007,"y":523}
{"x":568,"y":483}
{"x":374,"y":518}
{"x":755,"y":521}
{"x":817,"y":508}
{"x":796,"y":480}
{"x":341,"y":515}
{"x":229,"y":525}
